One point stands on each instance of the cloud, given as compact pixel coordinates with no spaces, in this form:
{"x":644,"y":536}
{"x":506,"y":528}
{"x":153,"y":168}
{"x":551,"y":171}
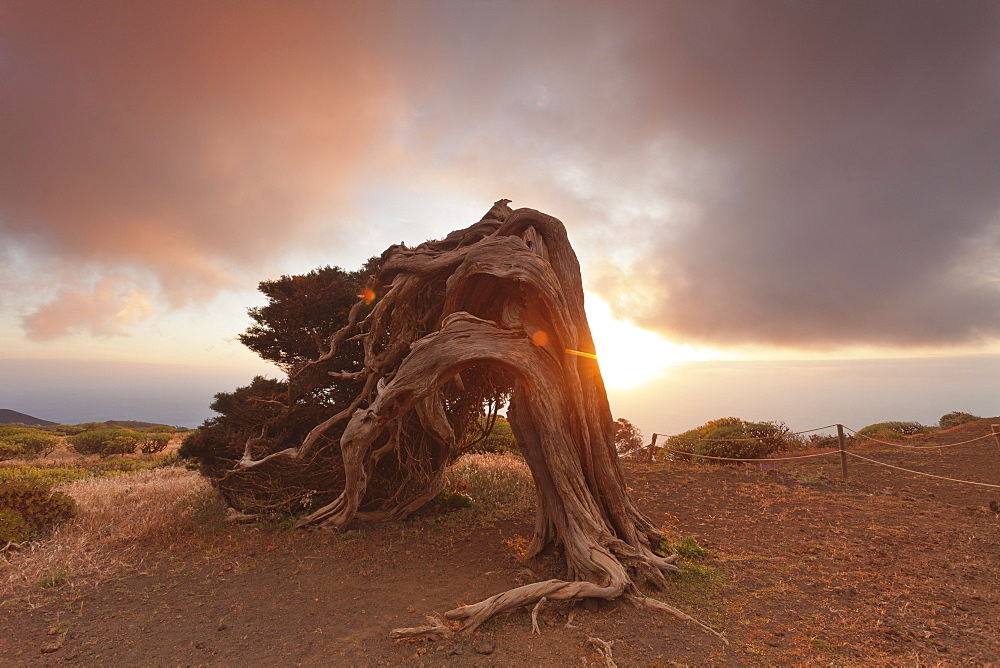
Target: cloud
{"x":809,"y":174}
{"x":186,"y":144}
{"x":105,"y":309}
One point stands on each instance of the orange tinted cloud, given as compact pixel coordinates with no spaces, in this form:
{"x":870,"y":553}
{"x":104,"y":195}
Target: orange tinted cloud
{"x":105,"y":309}
{"x":192,"y":141}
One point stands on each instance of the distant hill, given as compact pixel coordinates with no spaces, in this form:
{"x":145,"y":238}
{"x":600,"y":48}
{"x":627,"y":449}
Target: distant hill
{"x":133,"y":424}
{"x":7,"y":416}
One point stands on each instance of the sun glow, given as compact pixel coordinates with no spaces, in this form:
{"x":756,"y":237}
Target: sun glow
{"x":630,"y":356}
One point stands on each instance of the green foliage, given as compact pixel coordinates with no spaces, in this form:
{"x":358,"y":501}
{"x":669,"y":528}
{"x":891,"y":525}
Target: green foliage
{"x":108,"y":442}
{"x":893,"y":430}
{"x":294,"y":330}
{"x":302,"y":313}
{"x":9,"y":451}
{"x":449,"y":496}
{"x":731,"y":437}
{"x":40,"y":507}
{"x":46,"y":475}
{"x":13,"y":527}
{"x":54,"y":474}
{"x":688,"y":547}
{"x":955,"y":418}
{"x":692,"y":571}
{"x":264,"y":412}
{"x":498,"y":440}
{"x":25,"y":442}
{"x":628,"y":438}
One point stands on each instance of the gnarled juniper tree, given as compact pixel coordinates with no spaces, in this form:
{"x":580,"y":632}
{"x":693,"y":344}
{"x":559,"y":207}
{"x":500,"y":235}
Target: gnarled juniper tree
{"x":490,"y":314}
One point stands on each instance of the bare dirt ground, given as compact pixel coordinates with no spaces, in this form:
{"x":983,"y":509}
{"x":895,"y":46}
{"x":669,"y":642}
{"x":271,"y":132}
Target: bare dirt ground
{"x":885,"y":568}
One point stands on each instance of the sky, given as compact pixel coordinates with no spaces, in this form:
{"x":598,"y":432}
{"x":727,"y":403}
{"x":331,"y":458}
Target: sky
{"x":783,"y":210}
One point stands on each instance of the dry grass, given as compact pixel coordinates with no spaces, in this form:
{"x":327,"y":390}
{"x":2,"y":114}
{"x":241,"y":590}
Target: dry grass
{"x":121,"y":519}
{"x":500,"y":481}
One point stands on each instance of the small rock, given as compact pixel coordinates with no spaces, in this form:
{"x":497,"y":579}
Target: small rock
{"x":199,"y":645}
{"x":484,"y":647}
{"x":456,"y":651}
{"x":222,"y":627}
{"x":50,"y":647}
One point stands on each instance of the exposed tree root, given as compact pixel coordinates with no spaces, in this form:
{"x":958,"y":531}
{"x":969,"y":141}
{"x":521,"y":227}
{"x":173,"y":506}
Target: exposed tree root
{"x":436,"y":628}
{"x":603,"y":648}
{"x":647,"y":602}
{"x":534,"y":615}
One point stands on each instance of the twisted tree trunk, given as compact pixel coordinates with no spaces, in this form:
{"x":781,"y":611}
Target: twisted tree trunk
{"x":492,"y":310}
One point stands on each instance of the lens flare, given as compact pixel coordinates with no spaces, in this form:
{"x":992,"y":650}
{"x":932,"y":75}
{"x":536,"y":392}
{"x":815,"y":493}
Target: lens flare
{"x":540,"y":338}
{"x":368,"y":295}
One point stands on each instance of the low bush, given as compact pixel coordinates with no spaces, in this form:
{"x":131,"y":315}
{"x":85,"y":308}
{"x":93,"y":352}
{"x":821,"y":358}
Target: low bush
{"x":46,"y":475}
{"x":57,"y":474}
{"x":955,"y":418}
{"x":893,"y":430}
{"x":25,"y":442}
{"x":733,"y":438}
{"x":153,"y":443}
{"x":40,"y":507}
{"x":13,"y":528}
{"x":107,"y":442}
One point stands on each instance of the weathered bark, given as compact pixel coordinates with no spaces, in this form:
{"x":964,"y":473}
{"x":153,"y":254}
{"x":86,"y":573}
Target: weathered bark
{"x":494,"y":310}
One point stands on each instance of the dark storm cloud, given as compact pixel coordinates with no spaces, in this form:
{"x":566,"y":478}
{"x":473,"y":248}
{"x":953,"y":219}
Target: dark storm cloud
{"x":807,"y":173}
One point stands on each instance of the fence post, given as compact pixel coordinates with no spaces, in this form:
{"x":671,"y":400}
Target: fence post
{"x":996,"y":433}
{"x":843,"y":454}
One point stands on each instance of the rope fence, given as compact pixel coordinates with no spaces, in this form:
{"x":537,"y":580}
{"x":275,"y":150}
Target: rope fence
{"x":919,"y":447}
{"x":842,"y":451}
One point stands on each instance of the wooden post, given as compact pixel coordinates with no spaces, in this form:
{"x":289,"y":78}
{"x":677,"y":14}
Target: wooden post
{"x":843,"y":454}
{"x":996,"y":433}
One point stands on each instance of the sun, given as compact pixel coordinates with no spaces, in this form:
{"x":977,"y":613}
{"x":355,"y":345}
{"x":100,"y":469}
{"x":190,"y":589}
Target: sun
{"x":628,"y":355}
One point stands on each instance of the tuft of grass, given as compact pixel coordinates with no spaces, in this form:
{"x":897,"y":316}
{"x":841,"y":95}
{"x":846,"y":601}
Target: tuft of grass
{"x":120,"y":520}
{"x":694,"y":573}
{"x":689,"y":548}
{"x":691,"y":570}
{"x":57,"y":578}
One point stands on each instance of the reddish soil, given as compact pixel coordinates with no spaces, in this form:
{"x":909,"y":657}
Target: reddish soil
{"x":885,"y":568}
